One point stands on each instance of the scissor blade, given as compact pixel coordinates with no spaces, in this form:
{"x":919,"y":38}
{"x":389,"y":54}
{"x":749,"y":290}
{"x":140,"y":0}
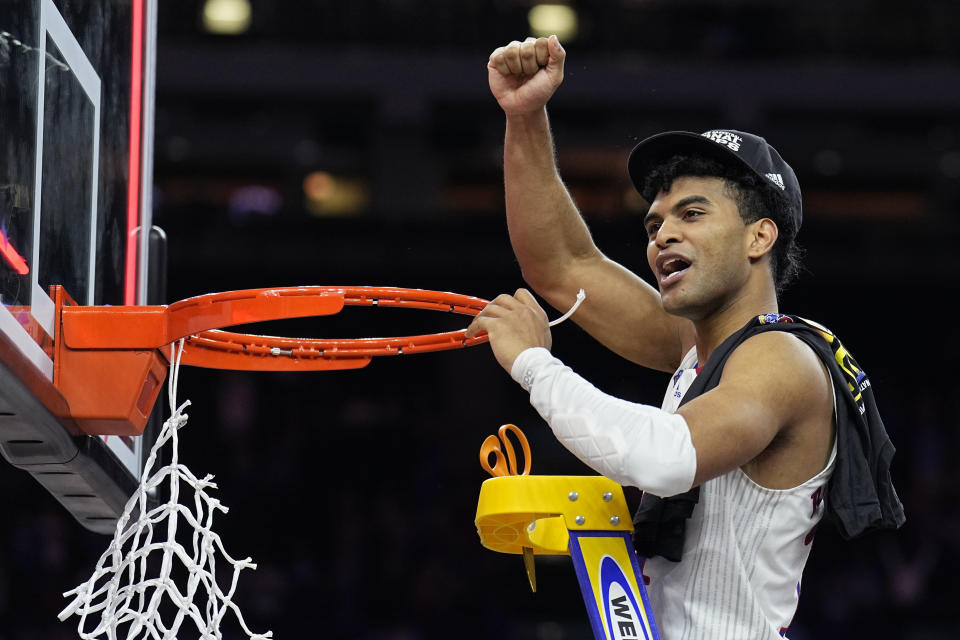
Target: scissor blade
{"x":530,"y":567}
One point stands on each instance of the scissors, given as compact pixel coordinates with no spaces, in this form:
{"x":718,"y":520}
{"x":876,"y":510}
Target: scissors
{"x":505,"y":464}
{"x":505,"y":458}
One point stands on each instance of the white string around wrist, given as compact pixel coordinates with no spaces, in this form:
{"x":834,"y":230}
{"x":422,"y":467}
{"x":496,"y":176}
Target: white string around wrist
{"x":581,"y":296}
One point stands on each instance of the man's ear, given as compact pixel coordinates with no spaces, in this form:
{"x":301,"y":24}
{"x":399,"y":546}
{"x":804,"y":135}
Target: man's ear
{"x":761,"y":237}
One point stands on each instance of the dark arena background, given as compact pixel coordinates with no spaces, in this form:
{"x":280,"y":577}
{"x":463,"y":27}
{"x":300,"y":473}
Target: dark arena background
{"x":356,"y":143}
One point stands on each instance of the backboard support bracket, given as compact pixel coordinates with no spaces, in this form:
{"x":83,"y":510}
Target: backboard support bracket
{"x":78,"y":470}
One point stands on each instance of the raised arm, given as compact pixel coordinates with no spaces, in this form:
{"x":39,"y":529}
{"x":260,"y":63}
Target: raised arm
{"x":549,"y":237}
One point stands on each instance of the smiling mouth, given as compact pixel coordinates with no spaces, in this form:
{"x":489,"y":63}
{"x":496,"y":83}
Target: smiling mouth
{"x":672,"y":270}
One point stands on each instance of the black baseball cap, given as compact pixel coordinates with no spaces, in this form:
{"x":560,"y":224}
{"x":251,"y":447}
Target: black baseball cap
{"x":727,"y":146}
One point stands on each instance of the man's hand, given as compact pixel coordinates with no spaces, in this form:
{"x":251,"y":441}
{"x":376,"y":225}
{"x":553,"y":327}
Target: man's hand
{"x":523,"y":75}
{"x":514,"y":323}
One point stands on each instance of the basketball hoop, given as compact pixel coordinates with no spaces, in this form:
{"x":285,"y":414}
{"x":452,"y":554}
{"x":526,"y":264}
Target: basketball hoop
{"x":109,"y":362}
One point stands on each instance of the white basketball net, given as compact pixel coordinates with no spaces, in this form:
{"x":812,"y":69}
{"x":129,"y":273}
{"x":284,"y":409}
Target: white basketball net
{"x":122,"y":599}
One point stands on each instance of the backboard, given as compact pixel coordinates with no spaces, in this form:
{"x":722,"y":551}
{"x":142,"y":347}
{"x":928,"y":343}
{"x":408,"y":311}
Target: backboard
{"x":76,"y":111}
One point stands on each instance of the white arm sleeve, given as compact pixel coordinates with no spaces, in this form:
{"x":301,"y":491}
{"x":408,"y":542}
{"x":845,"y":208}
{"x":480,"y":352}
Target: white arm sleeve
{"x":632,"y":444}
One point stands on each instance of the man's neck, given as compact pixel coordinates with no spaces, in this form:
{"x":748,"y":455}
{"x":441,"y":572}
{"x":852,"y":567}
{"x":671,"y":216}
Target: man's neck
{"x":713,"y":329}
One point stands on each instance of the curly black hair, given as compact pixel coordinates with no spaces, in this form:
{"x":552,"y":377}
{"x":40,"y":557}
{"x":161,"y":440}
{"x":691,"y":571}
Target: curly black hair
{"x":756,"y":198}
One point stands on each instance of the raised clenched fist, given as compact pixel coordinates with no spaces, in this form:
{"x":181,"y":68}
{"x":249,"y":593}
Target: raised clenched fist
{"x":523,"y":75}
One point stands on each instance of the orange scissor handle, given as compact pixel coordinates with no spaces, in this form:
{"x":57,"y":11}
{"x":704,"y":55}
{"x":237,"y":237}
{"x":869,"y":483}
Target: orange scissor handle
{"x":504,"y":455}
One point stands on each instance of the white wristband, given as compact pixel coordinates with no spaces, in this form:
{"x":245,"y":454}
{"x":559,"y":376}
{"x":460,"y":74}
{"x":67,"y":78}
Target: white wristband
{"x":630,"y":443}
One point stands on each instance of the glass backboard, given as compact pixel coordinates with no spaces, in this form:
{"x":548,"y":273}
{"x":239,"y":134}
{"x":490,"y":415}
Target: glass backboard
{"x":76,"y":112}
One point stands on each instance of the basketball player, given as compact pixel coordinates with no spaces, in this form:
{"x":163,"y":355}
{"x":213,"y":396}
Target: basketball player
{"x":747,"y":435}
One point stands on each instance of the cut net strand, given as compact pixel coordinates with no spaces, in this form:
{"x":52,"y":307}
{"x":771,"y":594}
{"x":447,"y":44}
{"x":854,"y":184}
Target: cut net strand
{"x":581,"y":296}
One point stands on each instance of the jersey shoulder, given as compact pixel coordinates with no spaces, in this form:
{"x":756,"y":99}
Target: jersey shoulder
{"x":779,"y":365}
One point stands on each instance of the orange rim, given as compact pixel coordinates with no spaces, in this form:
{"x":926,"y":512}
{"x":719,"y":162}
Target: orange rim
{"x":199,"y":320}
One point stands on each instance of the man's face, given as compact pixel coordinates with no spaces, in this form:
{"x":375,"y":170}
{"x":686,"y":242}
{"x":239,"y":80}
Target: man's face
{"x":697,"y":247}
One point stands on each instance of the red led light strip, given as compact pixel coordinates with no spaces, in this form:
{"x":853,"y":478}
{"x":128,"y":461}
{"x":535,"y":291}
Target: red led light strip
{"x":13,"y":258}
{"x":133,"y":186}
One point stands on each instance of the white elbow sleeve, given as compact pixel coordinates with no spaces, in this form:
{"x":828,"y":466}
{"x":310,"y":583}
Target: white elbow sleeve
{"x":632,"y":444}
